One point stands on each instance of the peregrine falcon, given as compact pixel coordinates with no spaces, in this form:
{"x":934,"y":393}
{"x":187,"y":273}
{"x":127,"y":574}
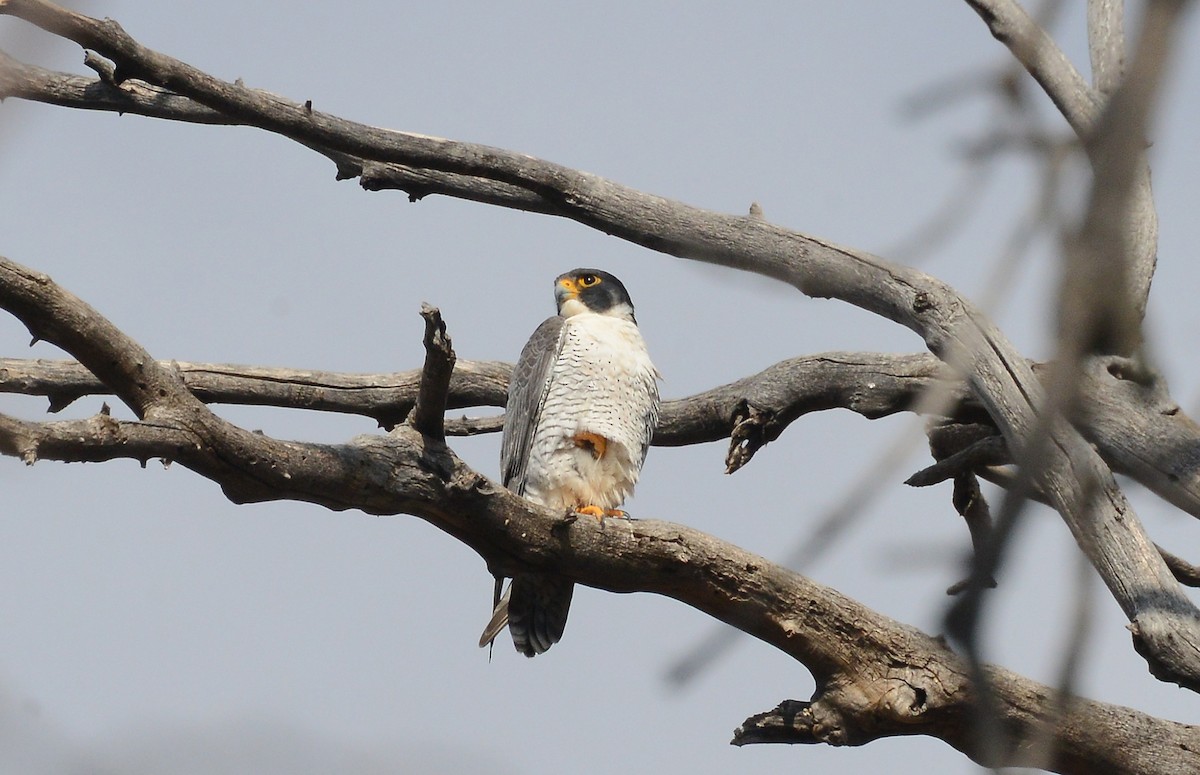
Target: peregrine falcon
{"x":582,"y":405}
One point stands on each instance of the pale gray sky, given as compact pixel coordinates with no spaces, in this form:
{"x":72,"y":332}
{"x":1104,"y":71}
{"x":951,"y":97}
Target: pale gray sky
{"x":149,"y":626}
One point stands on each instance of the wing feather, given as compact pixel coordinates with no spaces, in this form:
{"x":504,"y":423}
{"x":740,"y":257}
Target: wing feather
{"x":526,"y":395}
{"x":651,"y":419}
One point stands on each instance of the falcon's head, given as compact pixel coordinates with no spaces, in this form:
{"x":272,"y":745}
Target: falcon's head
{"x":591,"y":290}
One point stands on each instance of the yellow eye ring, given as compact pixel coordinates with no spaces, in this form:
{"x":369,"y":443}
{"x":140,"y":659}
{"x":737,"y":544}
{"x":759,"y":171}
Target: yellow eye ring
{"x":588,"y":280}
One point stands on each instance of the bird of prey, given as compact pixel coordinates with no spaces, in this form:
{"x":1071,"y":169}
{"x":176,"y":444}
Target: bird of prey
{"x":582,"y":405}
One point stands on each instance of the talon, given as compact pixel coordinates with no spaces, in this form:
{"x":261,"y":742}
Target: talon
{"x":591,"y":511}
{"x":600,"y":514}
{"x":564,"y":522}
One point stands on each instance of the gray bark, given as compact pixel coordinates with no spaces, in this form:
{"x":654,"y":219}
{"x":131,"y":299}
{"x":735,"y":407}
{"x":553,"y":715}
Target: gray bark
{"x":875,"y":677}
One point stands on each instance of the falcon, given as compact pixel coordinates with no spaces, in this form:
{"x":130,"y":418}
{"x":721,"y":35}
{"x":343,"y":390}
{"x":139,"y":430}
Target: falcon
{"x":582,"y":405}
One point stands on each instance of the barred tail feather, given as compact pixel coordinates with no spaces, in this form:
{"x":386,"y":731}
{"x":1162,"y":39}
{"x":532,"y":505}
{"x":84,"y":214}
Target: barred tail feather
{"x":537,"y":611}
{"x":534,"y":608}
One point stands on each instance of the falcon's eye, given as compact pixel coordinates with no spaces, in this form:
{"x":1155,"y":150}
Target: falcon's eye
{"x":588,"y":280}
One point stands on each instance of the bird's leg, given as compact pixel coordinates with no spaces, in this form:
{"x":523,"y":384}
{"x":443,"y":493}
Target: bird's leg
{"x":599,"y":513}
{"x":597,"y":445}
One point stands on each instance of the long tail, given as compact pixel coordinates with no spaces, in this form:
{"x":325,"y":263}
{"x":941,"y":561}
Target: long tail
{"x":499,"y":616}
{"x":535,"y":608}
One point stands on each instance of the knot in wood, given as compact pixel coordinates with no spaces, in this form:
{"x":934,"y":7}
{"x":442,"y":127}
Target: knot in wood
{"x":904,"y":701}
{"x":922,"y":302}
{"x":751,"y":429}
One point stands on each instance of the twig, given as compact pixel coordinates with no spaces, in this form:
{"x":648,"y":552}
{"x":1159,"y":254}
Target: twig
{"x":816,"y":540}
{"x":429,"y":412}
{"x":1083,"y":107}
{"x":1186,"y":572}
{"x":1106,"y":43}
{"x":989,"y":451}
{"x":969,"y":502}
{"x":1043,"y":59}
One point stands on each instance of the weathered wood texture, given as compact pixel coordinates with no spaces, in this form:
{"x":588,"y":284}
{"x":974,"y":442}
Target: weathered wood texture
{"x":875,"y":677}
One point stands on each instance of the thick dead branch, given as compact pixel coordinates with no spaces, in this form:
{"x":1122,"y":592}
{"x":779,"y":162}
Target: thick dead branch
{"x":793,"y":721}
{"x":1101,"y":302}
{"x":878,"y":677}
{"x":38,"y":84}
{"x":882,"y":678}
{"x":1165,"y":623}
{"x":1135,"y":424}
{"x":387,"y":398}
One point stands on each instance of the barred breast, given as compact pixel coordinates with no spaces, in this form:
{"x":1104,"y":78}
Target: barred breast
{"x":604,"y":384}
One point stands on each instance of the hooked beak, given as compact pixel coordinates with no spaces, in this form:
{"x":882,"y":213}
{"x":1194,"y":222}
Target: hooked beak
{"x":565,"y":289}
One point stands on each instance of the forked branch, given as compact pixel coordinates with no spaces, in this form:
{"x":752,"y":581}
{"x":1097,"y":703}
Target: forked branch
{"x":1166,"y":625}
{"x":877,"y":677}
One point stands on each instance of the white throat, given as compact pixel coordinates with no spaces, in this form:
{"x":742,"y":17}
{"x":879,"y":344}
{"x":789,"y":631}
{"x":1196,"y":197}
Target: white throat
{"x":572,"y":307}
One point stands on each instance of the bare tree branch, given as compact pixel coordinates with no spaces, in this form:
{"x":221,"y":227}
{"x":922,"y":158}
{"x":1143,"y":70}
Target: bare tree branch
{"x":30,"y":82}
{"x":1135,"y":424}
{"x":879,"y":677}
{"x":987,"y":451}
{"x":1074,"y":479}
{"x":1106,"y":43}
{"x":429,"y":413}
{"x":156,"y":393}
{"x":971,"y":450}
{"x":870,"y":384}
{"x":973,"y":507}
{"x":387,"y":398}
{"x":876,"y":677}
{"x":950,"y":326}
{"x":1095,"y":309}
{"x":1105,"y":286}
{"x":1043,"y":59}
{"x":1186,"y":572}
{"x":805,"y":722}
{"x":1082,"y":107}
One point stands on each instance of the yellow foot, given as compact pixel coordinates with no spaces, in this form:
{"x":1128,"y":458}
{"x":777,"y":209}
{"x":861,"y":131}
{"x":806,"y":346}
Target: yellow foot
{"x":600,"y":514}
{"x":593,"y":443}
